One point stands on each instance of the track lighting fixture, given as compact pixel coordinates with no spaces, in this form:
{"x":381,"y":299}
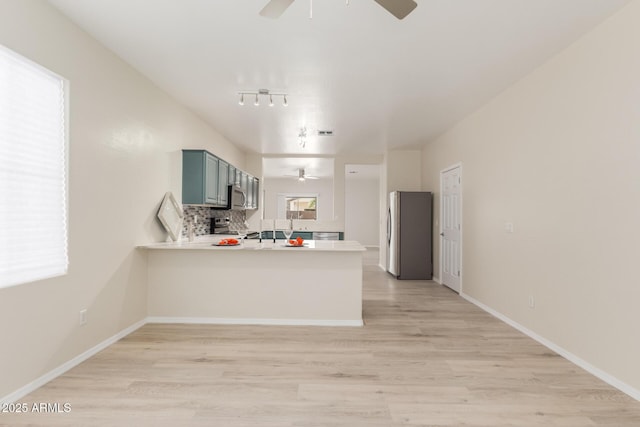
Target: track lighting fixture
{"x":263,"y":92}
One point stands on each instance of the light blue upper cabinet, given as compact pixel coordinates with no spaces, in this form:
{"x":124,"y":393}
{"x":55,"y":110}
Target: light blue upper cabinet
{"x":249,"y":192}
{"x":243,"y":181}
{"x":205,"y":180}
{"x":238,"y":177}
{"x":223,"y":179}
{"x":211,"y":173}
{"x":232,"y":175}
{"x":256,"y":193}
{"x":200,"y":178}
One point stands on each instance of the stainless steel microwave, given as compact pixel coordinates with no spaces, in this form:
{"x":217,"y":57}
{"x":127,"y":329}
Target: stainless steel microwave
{"x":237,"y":199}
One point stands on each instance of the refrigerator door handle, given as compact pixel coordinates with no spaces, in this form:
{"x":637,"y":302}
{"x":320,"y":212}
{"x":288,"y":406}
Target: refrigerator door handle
{"x":389,"y":227}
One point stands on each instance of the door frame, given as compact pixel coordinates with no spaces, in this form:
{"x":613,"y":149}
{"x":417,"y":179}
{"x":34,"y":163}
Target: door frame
{"x":440,"y":230}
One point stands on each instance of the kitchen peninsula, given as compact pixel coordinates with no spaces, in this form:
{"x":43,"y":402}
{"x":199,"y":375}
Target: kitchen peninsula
{"x":256,"y":283}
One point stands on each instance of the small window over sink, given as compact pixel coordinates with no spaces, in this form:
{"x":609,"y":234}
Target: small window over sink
{"x":301,"y":207}
{"x":298,"y":206}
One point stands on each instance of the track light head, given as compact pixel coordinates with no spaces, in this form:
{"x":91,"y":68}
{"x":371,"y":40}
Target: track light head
{"x":241,"y":102}
{"x":270,"y":101}
{"x":284,"y":101}
{"x":257,"y":101}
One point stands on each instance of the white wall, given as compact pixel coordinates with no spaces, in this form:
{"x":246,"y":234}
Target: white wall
{"x":362,"y":207}
{"x":125,"y":141}
{"x":558,"y":155}
{"x":404,"y":168}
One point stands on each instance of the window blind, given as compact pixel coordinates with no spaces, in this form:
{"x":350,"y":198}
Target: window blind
{"x":33,"y":178}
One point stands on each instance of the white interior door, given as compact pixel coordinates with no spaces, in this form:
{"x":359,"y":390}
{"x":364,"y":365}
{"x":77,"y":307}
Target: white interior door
{"x":451,"y":228}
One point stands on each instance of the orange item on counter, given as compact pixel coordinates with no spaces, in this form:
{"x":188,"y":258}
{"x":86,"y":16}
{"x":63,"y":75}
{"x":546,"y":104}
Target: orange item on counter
{"x":297,"y":242}
{"x":225,"y":242}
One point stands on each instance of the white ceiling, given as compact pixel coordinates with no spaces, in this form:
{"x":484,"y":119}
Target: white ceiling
{"x":378,"y":82}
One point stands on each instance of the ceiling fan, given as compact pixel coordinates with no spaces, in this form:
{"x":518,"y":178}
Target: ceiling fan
{"x":398,"y":8}
{"x":302,"y":176}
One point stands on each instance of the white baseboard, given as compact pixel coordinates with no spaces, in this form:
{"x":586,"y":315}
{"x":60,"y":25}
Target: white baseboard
{"x":39,"y":382}
{"x":234,"y":321}
{"x":609,"y":379}
{"x":437,"y":280}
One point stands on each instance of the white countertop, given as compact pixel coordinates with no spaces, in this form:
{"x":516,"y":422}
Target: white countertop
{"x":208,"y":243}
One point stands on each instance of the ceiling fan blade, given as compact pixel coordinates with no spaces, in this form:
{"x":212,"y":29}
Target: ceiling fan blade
{"x":275,"y":8}
{"x":398,"y":8}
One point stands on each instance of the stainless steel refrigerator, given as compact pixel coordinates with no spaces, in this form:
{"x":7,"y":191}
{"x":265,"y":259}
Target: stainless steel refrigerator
{"x":409,"y":235}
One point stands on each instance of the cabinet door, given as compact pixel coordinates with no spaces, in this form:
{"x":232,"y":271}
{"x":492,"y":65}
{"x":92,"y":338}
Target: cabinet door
{"x":193,"y":177}
{"x":232,"y":175}
{"x":256,"y":193}
{"x":223,"y":176}
{"x":243,"y":181}
{"x":211,"y":179}
{"x":249,"y":192}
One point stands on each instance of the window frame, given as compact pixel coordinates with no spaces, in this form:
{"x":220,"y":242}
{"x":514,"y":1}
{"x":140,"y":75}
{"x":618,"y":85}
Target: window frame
{"x":65,"y":142}
{"x":282,"y":204}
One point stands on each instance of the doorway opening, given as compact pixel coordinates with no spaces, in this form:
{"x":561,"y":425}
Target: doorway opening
{"x":362,"y":204}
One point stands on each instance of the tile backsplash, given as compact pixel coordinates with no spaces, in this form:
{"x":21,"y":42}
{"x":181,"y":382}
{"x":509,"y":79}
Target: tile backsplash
{"x":204,"y":214}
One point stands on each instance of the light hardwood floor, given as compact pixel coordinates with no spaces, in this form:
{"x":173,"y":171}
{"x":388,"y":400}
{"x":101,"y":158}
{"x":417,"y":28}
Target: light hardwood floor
{"x":426,"y":357}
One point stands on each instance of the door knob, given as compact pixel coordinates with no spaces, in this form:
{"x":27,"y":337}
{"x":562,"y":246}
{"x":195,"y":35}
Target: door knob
{"x":442,"y":234}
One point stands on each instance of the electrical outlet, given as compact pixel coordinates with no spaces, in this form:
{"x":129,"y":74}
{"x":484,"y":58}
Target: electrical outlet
{"x":83,"y":317}
{"x":508,"y":227}
{"x":532,"y":302}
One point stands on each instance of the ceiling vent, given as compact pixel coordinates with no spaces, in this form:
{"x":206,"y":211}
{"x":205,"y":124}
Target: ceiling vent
{"x":325,"y":133}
